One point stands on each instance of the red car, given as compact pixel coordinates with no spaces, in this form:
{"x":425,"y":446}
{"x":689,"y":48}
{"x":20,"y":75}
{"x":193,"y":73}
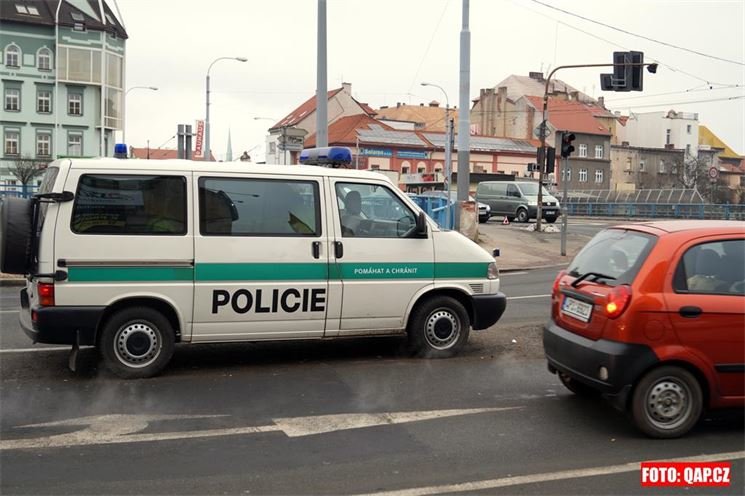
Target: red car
{"x":652,"y":316}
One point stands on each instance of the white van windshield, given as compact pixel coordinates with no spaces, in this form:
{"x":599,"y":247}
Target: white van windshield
{"x":531,"y":189}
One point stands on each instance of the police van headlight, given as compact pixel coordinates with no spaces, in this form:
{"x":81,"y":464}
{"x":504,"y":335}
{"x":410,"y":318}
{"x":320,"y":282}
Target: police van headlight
{"x":492,"y":272}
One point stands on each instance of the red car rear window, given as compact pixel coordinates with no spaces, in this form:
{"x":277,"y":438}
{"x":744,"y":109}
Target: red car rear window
{"x":613,"y":252}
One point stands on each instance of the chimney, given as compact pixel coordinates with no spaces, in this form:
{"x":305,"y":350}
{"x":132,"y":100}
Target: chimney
{"x":421,"y":105}
{"x":347,"y":88}
{"x":398,"y":104}
{"x":383,"y":107}
{"x":538,"y":76}
{"x":601,"y":101}
{"x":434,"y":103}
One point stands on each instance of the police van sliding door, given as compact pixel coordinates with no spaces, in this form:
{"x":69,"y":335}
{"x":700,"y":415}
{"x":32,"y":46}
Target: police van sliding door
{"x":379,"y":263}
{"x":261,"y":258}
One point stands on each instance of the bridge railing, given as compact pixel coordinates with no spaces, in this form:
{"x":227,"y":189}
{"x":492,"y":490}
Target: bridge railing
{"x":658,"y":210}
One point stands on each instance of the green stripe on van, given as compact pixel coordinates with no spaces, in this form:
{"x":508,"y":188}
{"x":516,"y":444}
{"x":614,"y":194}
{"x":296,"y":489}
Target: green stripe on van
{"x":465,"y":270}
{"x":130,"y":274}
{"x":280,"y":272}
{"x":262,"y":272}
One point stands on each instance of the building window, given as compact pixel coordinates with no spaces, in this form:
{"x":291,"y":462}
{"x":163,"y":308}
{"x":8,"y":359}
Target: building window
{"x":44,"y":102}
{"x":583,"y":175}
{"x":43,"y":144}
{"x":422,"y":170}
{"x":44,"y":60}
{"x":583,"y":151}
{"x":628,"y":163}
{"x":75,"y":145}
{"x":75,"y":104}
{"x":662,"y":167}
{"x":641,"y":166}
{"x":688,"y":149}
{"x":404,"y":170}
{"x":675,"y":168}
{"x":12,"y":142}
{"x":13,"y":99}
{"x":598,"y":151}
{"x":598,"y":176}
{"x":27,"y":9}
{"x":688,"y":129}
{"x":667,"y":136}
{"x":12,"y":56}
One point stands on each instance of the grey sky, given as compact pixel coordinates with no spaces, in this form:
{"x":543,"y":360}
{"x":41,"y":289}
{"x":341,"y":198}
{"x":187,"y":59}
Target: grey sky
{"x":385,"y":48}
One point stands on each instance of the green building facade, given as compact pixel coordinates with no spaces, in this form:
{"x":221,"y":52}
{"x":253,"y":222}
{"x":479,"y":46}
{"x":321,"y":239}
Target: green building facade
{"x":55,"y":80}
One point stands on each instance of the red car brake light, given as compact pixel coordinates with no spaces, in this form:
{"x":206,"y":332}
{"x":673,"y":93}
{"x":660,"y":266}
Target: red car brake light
{"x":46,"y":294}
{"x":555,"y":288}
{"x":617,"y":301}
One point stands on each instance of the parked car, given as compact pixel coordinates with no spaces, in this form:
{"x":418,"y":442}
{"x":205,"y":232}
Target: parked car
{"x":652,"y":316}
{"x":484,"y":209}
{"x":517,"y":200}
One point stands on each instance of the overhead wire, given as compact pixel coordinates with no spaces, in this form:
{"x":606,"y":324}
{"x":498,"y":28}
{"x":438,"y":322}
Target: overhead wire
{"x":429,"y":45}
{"x":609,"y":26}
{"x":592,"y":35}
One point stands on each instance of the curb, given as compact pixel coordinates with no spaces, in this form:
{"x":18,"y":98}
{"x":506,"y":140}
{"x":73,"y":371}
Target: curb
{"x":535,"y":267}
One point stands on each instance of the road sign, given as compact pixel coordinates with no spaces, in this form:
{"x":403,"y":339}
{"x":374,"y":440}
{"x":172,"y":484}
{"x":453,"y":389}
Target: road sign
{"x":537,"y":131}
{"x":713,"y":173}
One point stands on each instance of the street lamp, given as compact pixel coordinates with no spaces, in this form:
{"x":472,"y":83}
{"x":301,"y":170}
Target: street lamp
{"x":284,"y":139}
{"x":207,"y":113}
{"x":124,"y":126}
{"x":448,"y":149}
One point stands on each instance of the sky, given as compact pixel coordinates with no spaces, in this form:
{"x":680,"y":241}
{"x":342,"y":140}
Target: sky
{"x":386,"y":48}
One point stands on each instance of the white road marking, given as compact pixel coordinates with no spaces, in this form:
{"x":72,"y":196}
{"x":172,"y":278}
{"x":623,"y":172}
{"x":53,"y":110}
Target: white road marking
{"x":513,"y":273}
{"x":28,"y":350}
{"x":519,"y":480}
{"x":117,"y":429}
{"x":9,"y":311}
{"x":528,"y":297}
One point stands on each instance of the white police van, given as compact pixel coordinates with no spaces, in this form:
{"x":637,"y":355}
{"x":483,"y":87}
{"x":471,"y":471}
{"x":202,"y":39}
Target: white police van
{"x":135,"y":256}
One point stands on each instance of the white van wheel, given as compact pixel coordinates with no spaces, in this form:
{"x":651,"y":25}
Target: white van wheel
{"x":137,"y":342}
{"x":438,"y":328}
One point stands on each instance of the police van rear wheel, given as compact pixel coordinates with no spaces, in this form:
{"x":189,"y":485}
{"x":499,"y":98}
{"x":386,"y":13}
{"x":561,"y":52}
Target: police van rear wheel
{"x":15,"y":235}
{"x":136,"y":343}
{"x":438,"y":328}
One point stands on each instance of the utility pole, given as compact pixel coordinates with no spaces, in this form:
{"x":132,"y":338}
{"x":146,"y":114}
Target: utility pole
{"x":322,"y":121}
{"x":464,"y":118}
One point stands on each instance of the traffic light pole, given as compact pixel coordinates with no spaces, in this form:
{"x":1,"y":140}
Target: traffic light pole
{"x":544,"y":131}
{"x":564,"y":213}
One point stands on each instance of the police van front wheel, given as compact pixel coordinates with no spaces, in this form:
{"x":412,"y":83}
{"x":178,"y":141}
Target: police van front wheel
{"x":438,"y":328}
{"x":136,"y":343}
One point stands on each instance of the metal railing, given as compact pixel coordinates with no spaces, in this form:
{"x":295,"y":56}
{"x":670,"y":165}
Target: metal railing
{"x":666,"y":196}
{"x":436,"y":208}
{"x":657,"y":210}
{"x":18,"y":191}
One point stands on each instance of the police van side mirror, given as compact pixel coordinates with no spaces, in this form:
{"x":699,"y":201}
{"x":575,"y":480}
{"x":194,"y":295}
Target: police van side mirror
{"x":421,"y":225}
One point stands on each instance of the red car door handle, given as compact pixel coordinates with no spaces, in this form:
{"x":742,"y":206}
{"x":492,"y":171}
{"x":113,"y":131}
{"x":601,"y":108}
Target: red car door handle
{"x":690,"y":312}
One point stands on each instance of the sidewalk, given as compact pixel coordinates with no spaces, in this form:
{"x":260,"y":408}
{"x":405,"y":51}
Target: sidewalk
{"x":521,"y":249}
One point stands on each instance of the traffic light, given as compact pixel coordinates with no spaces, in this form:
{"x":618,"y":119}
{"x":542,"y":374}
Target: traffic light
{"x":628,"y":72}
{"x":636,"y":82}
{"x":551,"y":159}
{"x":566,"y":144}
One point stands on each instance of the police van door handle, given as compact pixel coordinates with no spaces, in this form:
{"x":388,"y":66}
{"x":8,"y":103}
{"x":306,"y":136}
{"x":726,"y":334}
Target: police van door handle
{"x":316,"y":248}
{"x":338,"y":249}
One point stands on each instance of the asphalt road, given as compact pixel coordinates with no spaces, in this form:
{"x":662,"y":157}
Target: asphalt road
{"x":344,"y":417}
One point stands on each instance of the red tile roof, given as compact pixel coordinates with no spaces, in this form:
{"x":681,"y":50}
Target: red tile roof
{"x":157,"y":153}
{"x":309,"y":106}
{"x":573,"y":115}
{"x":344,"y":131}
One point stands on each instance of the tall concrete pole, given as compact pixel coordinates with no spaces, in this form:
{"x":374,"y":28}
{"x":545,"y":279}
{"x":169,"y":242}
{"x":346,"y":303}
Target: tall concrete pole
{"x":464,"y":117}
{"x":322,"y":121}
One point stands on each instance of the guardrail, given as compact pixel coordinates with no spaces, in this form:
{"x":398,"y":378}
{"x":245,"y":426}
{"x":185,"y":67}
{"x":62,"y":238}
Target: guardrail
{"x":658,"y":210}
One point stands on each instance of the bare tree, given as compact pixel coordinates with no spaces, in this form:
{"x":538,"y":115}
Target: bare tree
{"x":693,"y":173}
{"x":25,"y":169}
